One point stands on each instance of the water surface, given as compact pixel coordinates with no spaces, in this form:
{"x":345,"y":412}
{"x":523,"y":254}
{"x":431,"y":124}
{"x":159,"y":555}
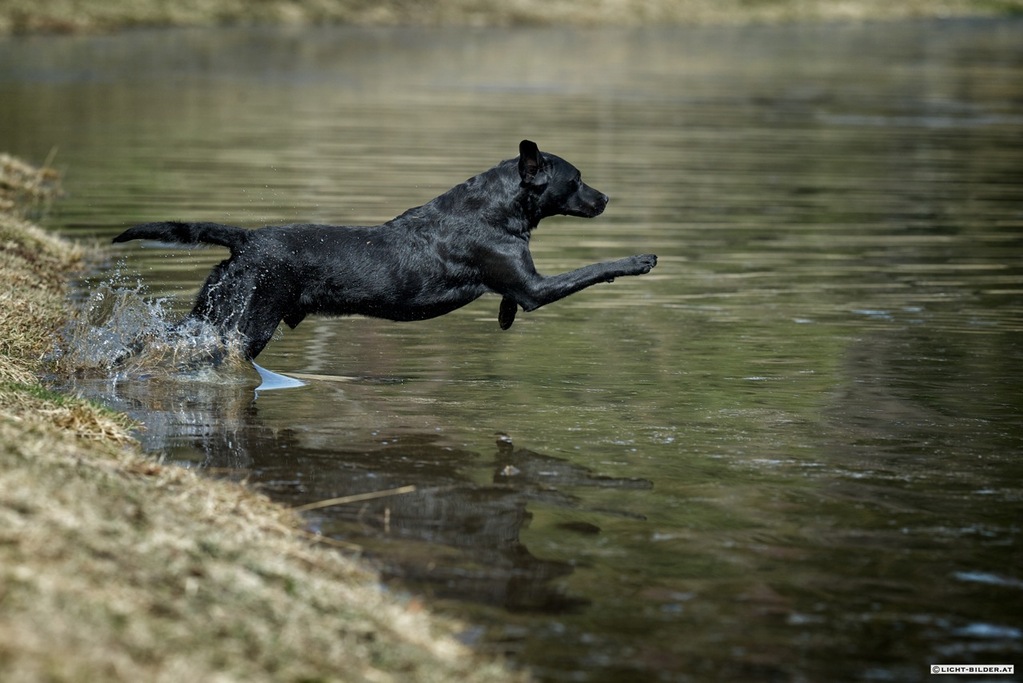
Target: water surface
{"x":791,"y":452}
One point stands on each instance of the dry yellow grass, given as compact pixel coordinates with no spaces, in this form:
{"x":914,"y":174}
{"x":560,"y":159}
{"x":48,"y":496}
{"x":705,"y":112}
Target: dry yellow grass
{"x":33,"y":264}
{"x":114,"y":567}
{"x":24,"y":187}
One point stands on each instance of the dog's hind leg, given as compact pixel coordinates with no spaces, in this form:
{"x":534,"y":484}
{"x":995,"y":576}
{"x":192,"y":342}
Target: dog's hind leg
{"x":259,"y":327}
{"x":218,"y":302}
{"x":249,"y":325}
{"x":245,"y":304}
{"x":225,"y":303}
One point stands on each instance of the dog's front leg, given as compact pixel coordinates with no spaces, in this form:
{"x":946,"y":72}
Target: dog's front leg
{"x":530,"y":290}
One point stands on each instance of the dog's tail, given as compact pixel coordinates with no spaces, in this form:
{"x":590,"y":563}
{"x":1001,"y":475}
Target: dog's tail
{"x":188,"y":233}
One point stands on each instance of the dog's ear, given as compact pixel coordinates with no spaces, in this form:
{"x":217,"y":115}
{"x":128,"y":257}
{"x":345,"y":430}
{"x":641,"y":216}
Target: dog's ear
{"x":529,"y":161}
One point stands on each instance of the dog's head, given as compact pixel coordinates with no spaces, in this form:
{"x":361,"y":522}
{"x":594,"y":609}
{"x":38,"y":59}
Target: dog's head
{"x":557,"y":184}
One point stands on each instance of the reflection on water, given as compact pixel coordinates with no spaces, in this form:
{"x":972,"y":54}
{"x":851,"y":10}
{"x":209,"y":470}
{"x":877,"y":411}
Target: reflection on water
{"x":434,"y":495}
{"x":792,"y":452}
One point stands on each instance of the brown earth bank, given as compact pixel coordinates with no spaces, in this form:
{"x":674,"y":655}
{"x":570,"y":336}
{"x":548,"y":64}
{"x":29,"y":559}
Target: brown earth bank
{"x":114,"y":567}
{"x":26,"y":16}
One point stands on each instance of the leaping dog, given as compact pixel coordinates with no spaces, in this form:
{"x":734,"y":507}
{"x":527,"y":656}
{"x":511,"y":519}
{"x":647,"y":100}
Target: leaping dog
{"x":430,"y":260}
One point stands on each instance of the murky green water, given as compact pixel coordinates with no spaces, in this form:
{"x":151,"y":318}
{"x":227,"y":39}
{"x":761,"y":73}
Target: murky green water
{"x":792,"y":452}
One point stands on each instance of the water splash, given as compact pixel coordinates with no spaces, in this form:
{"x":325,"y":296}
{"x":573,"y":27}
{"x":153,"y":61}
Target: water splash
{"x":120,"y":332}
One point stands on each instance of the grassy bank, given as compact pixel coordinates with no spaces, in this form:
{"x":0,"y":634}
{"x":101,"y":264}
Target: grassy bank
{"x":18,"y":16}
{"x":116,"y":568}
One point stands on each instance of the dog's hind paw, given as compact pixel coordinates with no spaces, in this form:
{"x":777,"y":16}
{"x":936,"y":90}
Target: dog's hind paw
{"x":506,"y":314}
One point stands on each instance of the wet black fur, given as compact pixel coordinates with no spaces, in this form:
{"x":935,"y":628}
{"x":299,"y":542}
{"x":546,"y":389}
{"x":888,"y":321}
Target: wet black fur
{"x":430,"y":260}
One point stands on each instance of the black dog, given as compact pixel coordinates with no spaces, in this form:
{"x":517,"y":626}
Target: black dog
{"x":430,"y":260}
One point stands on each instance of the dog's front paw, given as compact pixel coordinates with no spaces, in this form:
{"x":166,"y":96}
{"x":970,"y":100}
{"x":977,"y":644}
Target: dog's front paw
{"x":644,"y":263}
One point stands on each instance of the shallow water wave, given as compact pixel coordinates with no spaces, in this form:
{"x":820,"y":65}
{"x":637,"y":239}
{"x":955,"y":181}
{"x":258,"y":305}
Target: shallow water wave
{"x":119,"y":332}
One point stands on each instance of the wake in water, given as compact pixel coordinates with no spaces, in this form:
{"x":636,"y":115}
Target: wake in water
{"x":119,"y":332}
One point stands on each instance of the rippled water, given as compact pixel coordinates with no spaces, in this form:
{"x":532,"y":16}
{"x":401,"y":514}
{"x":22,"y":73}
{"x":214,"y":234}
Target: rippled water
{"x":791,"y":452}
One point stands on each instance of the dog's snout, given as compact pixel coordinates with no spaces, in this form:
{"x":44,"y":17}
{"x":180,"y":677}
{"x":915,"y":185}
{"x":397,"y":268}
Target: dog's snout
{"x":587,"y":203}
